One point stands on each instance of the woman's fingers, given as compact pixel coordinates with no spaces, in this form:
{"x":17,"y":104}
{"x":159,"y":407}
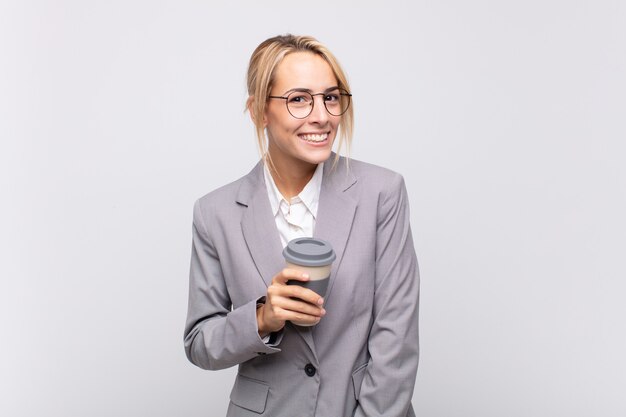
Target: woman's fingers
{"x":279,"y":287}
{"x":294,"y":291}
{"x":291,"y":306}
{"x":289,"y":302}
{"x":299,"y":317}
{"x":293,"y":309}
{"x":286,"y":274}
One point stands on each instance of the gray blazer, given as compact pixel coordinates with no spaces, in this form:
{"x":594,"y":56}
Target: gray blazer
{"x":361,"y":359}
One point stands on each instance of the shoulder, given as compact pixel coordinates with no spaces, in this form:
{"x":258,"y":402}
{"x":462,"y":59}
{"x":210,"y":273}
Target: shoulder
{"x":224,"y":201}
{"x":378,"y":189}
{"x":374,"y":178}
{"x":220,"y":196}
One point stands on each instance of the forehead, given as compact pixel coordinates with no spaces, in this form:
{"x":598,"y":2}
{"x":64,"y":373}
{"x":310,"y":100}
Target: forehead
{"x":303,"y":70}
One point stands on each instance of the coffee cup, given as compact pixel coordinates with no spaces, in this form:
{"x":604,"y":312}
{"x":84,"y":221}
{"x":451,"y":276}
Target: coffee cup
{"x":311,"y":256}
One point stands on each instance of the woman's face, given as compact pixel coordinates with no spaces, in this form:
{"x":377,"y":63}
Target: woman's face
{"x":301,"y":142}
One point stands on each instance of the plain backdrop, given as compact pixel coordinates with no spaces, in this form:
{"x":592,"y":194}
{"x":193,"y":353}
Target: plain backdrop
{"x":506,"y":118}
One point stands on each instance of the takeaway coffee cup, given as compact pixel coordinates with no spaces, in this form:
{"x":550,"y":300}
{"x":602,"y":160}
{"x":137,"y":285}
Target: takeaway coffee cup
{"x":314,"y":257}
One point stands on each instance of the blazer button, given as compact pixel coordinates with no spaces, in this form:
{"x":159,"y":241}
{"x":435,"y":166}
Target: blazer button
{"x":309,"y":369}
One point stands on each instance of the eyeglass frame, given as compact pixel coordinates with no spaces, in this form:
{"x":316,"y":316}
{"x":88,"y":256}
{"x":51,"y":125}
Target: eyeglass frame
{"x":304,"y":90}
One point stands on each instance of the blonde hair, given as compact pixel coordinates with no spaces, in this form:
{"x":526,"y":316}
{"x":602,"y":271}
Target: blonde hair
{"x":261,"y":71}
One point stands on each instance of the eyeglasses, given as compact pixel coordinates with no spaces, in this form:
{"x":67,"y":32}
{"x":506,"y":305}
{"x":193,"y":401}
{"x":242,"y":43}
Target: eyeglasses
{"x":300,"y":102}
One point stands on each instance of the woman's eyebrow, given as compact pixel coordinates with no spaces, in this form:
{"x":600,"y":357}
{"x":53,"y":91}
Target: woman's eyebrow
{"x":306,"y":90}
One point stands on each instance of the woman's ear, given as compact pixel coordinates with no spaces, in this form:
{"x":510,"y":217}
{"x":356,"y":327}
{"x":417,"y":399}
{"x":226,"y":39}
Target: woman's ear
{"x":250,"y":106}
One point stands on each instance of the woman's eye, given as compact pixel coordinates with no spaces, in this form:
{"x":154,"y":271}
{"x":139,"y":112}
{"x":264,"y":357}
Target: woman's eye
{"x":331,"y":97}
{"x":299,"y":99}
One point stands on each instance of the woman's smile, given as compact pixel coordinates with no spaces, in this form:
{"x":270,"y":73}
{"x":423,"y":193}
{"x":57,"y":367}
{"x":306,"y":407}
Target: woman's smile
{"x":317,"y":138}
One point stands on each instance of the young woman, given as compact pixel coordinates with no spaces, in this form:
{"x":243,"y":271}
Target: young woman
{"x":359,"y":357}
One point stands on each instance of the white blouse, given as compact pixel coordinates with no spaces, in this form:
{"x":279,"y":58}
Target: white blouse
{"x":295,"y":218}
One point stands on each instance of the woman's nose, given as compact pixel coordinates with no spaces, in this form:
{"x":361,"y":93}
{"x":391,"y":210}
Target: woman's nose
{"x":319,"y":114}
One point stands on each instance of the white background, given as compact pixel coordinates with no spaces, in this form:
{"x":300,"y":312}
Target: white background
{"x":507,"y":119}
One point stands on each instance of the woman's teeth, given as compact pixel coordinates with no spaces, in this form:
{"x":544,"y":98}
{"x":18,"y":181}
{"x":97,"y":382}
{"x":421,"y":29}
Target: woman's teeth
{"x":315,"y":138}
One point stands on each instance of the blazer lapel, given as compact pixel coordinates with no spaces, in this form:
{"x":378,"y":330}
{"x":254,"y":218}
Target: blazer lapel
{"x":335,"y":213}
{"x":258,"y":226}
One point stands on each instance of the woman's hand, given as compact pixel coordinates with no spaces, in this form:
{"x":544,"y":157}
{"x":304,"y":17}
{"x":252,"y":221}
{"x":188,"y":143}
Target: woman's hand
{"x":288,"y":302}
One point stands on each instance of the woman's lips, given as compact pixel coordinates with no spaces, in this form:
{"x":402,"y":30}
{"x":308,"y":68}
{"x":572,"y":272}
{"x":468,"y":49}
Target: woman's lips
{"x":314,"y":137}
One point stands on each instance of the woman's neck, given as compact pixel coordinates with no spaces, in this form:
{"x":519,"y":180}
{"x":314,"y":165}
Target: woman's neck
{"x":291,"y":180}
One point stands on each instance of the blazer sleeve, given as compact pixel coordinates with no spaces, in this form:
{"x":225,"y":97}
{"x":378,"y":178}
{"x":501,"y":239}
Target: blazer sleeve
{"x":217,"y":336}
{"x":387,"y":386}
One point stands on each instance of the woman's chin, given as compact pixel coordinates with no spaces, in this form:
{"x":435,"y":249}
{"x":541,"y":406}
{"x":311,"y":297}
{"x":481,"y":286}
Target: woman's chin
{"x":317,"y":152}
{"x":318,"y":156}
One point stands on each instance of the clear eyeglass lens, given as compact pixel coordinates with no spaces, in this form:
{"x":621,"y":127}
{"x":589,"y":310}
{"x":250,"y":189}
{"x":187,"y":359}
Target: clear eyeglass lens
{"x":335,"y":104}
{"x":300,"y":103}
